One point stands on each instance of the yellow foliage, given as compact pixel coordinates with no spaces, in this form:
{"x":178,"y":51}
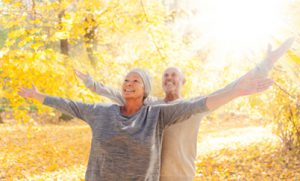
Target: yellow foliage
{"x":30,"y":151}
{"x":31,"y":53}
{"x":127,"y":35}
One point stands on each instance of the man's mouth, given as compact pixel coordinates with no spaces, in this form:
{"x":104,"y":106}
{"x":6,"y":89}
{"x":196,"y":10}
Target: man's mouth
{"x":169,"y":84}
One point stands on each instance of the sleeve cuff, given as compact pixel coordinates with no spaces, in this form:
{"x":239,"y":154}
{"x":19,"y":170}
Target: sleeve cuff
{"x":203,"y":105}
{"x":46,"y":100}
{"x":49,"y":100}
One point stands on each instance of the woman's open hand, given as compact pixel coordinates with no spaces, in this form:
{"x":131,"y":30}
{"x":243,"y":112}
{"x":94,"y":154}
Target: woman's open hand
{"x":31,"y":93}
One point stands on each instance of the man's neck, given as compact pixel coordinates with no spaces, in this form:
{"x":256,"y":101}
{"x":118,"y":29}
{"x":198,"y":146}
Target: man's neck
{"x":171,"y":97}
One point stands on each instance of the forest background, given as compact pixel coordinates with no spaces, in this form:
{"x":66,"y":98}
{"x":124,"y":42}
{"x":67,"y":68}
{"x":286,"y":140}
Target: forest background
{"x":213,"y":42}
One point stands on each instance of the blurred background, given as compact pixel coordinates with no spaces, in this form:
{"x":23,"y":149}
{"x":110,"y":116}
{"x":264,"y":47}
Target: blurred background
{"x":213,"y":41}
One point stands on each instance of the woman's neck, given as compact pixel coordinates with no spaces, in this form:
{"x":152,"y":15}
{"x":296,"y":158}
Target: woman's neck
{"x":131,"y":107}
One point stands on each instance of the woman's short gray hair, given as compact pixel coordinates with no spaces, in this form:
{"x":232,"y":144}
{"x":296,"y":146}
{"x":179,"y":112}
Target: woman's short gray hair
{"x":146,"y":80}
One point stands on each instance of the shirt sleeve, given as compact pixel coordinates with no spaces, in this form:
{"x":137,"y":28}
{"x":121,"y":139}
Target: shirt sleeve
{"x":77,"y":109}
{"x":180,"y":111}
{"x":260,"y":71}
{"x":105,"y":91}
{"x":150,"y":100}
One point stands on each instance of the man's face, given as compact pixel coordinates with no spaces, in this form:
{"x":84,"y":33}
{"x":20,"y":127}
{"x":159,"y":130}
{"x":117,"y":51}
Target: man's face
{"x":172,"y":80}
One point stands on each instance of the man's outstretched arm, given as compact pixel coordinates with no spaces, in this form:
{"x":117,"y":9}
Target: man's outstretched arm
{"x":111,"y":93}
{"x":98,"y":88}
{"x":180,"y":111}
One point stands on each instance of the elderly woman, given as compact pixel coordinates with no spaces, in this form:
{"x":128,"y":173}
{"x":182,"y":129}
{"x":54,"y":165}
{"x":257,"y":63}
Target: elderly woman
{"x":126,"y":142}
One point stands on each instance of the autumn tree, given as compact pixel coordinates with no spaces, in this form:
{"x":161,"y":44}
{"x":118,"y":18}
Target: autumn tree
{"x":47,"y":39}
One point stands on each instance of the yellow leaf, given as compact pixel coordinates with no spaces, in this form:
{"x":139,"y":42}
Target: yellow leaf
{"x":294,"y":57}
{"x":36,"y":45}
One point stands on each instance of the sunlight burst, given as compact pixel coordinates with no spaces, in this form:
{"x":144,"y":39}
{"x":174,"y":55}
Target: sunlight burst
{"x":241,"y":24}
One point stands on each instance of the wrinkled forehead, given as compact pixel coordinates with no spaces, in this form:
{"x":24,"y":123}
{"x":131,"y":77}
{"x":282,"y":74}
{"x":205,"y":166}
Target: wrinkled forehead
{"x":173,"y":70}
{"x":133,"y":75}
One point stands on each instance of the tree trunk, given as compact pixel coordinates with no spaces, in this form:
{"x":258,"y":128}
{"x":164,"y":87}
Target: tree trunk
{"x":64,"y":49}
{"x":64,"y":45}
{"x":90,"y":38}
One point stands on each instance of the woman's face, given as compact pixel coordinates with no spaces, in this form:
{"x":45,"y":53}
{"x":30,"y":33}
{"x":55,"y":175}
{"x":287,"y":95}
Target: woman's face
{"x":133,"y":86}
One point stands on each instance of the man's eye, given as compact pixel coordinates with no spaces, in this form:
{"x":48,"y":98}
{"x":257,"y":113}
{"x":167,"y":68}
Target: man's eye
{"x":126,"y":80}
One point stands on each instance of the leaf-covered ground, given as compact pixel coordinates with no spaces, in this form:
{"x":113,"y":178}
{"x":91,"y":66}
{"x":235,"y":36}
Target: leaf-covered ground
{"x":250,"y":153}
{"x":227,"y":151}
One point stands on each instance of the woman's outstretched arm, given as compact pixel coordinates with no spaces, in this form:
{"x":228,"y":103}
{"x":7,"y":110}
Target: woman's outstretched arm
{"x":32,"y":93}
{"x":77,"y":109}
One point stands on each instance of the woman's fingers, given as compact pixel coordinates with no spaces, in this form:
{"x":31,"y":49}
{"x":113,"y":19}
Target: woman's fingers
{"x":25,"y":92}
{"x":21,"y":89}
{"x":33,"y":87}
{"x":22,"y":93}
{"x":77,"y":72}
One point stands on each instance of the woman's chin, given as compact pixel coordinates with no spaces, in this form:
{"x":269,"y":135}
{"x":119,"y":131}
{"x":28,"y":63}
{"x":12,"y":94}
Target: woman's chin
{"x":132,"y":97}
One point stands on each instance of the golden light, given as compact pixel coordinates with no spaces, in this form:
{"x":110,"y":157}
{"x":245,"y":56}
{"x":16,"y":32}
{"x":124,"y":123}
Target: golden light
{"x":241,"y":25}
{"x":236,"y":33}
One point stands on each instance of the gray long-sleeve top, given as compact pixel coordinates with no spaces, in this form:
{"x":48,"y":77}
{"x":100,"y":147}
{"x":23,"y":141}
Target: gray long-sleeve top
{"x":126,"y":148}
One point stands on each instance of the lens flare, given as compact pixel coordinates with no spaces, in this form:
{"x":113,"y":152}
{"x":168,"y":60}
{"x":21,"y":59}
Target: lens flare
{"x":241,"y":24}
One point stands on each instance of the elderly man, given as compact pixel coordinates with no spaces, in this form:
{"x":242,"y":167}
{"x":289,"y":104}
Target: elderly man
{"x":179,"y":147}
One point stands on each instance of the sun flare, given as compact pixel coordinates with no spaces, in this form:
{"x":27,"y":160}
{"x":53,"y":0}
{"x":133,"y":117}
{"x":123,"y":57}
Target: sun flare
{"x":241,"y":24}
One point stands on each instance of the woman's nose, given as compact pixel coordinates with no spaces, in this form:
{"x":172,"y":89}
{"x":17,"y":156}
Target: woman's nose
{"x":128,"y":83}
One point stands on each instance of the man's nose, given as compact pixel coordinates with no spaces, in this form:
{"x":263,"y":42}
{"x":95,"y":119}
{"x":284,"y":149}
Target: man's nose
{"x":169,"y":77}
